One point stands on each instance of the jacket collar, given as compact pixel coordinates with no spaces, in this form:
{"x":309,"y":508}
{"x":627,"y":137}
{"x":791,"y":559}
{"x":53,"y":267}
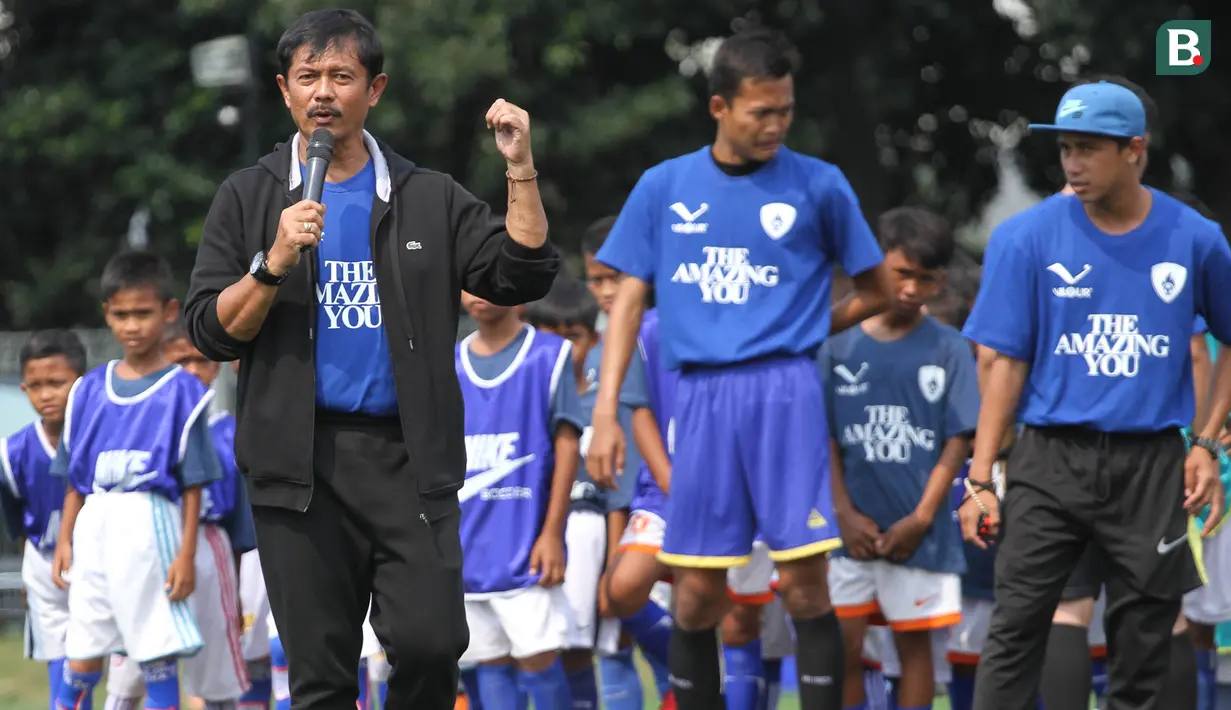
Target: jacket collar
{"x":384,"y":184}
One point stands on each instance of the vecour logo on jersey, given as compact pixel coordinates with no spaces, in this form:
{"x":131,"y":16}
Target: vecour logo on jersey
{"x":491,"y":458}
{"x":725,"y":275}
{"x":888,"y":435}
{"x":1182,"y":47}
{"x":1114,"y":345}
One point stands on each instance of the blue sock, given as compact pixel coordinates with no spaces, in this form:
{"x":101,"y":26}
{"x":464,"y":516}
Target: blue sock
{"x":621,"y":683}
{"x":651,"y":627}
{"x":470,"y":683}
{"x":745,"y":675}
{"x":875,"y":689}
{"x":1207,"y":680}
{"x":279,"y":675}
{"x":365,"y":685}
{"x":584,"y":688}
{"x":497,"y":687}
{"x":55,"y":676}
{"x":162,"y":684}
{"x":1098,"y":677}
{"x":662,"y":676}
{"x":892,"y":685}
{"x":382,"y":689}
{"x":261,"y":687}
{"x":773,"y":684}
{"x":76,"y":688}
{"x":548,"y":689}
{"x":962,"y":691}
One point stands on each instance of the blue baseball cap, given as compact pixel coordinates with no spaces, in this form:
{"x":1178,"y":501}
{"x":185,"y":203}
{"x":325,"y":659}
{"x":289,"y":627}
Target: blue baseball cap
{"x":1102,"y":109}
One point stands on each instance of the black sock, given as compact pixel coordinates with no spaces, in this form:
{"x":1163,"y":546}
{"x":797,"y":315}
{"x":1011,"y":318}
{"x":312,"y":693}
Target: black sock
{"x":1067,"y":675}
{"x":819,"y":662}
{"x":696,"y":674}
{"x":1180,"y":688}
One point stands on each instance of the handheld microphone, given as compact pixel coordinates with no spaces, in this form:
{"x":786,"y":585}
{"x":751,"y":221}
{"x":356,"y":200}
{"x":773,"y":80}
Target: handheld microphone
{"x":320,"y":153}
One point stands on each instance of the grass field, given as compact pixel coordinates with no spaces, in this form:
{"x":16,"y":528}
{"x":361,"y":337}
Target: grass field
{"x":23,"y":684}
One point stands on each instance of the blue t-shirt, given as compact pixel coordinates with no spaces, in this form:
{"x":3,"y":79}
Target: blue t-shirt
{"x":1104,"y":321}
{"x":30,"y":497}
{"x":632,"y":396}
{"x":510,"y":430}
{"x":354,"y":372}
{"x":660,"y":384}
{"x":129,"y":434}
{"x":565,"y":408}
{"x":892,"y":406}
{"x":741,"y":266}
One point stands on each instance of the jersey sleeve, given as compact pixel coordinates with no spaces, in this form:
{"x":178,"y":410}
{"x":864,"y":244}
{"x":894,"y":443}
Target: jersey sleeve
{"x":630,"y":245}
{"x":1004,"y":317}
{"x":60,"y":464}
{"x":634,"y":391}
{"x":962,"y":413}
{"x":1212,"y":301}
{"x":238,"y":524}
{"x":566,"y":405}
{"x":201,"y":464}
{"x":851,"y":241}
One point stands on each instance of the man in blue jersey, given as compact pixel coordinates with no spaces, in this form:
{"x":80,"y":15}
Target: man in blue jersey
{"x":523,"y":428}
{"x":136,"y":451}
{"x":31,"y":498}
{"x":739,"y":239}
{"x":218,"y":675}
{"x":1105,"y":284}
{"x":902,"y":400}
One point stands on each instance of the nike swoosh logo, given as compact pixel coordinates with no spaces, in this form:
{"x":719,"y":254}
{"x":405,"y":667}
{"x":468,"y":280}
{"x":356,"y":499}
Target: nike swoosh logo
{"x":1071,"y":109}
{"x":131,"y":483}
{"x":1164,"y":547}
{"x":486,"y":479}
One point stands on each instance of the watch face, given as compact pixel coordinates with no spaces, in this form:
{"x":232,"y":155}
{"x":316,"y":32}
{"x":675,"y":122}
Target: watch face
{"x":256,"y":262}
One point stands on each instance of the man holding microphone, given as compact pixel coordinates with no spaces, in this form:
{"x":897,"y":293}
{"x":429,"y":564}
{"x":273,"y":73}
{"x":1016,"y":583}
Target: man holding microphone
{"x":343,"y":313}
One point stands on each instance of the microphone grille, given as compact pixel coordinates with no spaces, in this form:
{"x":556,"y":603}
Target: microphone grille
{"x":320,"y":145}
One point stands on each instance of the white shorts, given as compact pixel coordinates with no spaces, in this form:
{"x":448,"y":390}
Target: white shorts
{"x":1210,"y":604}
{"x":255,"y":603}
{"x":371,"y":644}
{"x":521,"y":624}
{"x":378,"y":668}
{"x":967,"y":638}
{"x":585,"y":538}
{"x":891,"y":667}
{"x":751,"y":583}
{"x":123,"y":544}
{"x":219,"y":672}
{"x":644,"y":533}
{"x":909,"y":599}
{"x":124,"y":678}
{"x":46,"y":607}
{"x":777,"y":635}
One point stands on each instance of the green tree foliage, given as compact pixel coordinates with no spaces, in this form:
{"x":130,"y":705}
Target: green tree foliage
{"x":910,"y":97}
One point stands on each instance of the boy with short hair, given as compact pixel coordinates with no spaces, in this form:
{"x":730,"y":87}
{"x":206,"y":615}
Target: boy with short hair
{"x":523,"y":428}
{"x":219,"y":673}
{"x":136,"y":452}
{"x":31,"y":499}
{"x":902,"y":396}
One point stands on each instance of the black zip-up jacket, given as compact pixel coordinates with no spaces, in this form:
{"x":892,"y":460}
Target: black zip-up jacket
{"x":430,"y":239}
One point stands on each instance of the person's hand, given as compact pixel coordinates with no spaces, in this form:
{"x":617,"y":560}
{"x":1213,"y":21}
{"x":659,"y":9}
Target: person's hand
{"x":181,"y":578}
{"x":300,"y":227}
{"x":512,"y":125}
{"x":547,"y":560}
{"x":859,"y":534}
{"x":1203,"y":486}
{"x":970,"y":513}
{"x":902,"y":538}
{"x":605,"y":455}
{"x":61,"y":562}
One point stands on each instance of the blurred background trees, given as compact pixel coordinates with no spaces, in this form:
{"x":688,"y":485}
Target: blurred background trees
{"x":107,"y":141}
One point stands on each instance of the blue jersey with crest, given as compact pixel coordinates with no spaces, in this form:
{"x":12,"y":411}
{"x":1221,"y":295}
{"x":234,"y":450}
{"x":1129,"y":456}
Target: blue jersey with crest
{"x":632,"y":397}
{"x":741,"y":266}
{"x":135,"y":443}
{"x":510,"y":460}
{"x":1103,"y":320}
{"x":892,"y":406}
{"x":32,"y":498}
{"x":660,"y":386}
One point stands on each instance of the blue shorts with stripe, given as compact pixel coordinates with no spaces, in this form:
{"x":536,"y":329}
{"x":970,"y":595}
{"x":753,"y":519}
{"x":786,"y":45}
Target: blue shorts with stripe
{"x":751,"y":460}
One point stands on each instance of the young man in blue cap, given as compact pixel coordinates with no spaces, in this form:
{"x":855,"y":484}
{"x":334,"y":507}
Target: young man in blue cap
{"x":1105,"y":285}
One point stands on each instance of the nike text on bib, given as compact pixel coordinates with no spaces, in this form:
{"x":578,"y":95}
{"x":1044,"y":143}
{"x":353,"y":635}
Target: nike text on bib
{"x":726,"y":276}
{"x":1114,"y":346}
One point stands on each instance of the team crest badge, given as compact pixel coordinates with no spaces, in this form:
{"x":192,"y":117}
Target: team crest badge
{"x":777,"y":218}
{"x":1168,"y":280}
{"x":932,"y":382}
